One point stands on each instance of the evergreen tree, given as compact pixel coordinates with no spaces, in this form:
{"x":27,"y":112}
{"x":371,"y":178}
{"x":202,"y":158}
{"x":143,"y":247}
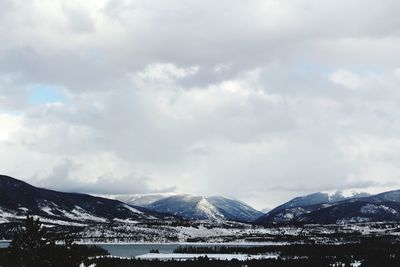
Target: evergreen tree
{"x":30,"y":244}
{"x":33,"y":246}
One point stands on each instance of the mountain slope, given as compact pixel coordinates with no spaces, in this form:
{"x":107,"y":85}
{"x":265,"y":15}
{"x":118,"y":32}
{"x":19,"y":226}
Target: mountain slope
{"x":142,"y":200}
{"x":203,"y":208}
{"x":354,"y":212}
{"x":17,"y":199}
{"x":187,"y":206}
{"x":300,"y":208}
{"x":318,"y":208}
{"x":234,"y":209}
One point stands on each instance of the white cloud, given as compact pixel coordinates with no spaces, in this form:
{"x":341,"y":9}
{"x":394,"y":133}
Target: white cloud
{"x":10,"y":124}
{"x":243,"y":98}
{"x":166,"y":72}
{"x":347,"y":79}
{"x":352,"y":81}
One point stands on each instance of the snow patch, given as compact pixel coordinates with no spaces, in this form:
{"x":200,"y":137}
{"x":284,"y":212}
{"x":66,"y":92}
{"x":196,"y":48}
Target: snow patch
{"x":125,"y":221}
{"x":6,"y":216}
{"x":373,"y":209}
{"x":23,"y":209}
{"x":208,"y":209}
{"x":80,"y":214}
{"x":131,"y":209}
{"x":47,"y":210}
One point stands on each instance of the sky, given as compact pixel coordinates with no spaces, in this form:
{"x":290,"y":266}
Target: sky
{"x":259,"y":100}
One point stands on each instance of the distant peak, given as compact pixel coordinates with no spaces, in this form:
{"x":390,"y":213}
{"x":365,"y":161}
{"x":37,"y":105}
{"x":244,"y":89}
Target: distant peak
{"x":350,"y":193}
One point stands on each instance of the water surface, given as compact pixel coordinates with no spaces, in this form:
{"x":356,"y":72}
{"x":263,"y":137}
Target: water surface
{"x":132,"y":250}
{"x":4,"y":244}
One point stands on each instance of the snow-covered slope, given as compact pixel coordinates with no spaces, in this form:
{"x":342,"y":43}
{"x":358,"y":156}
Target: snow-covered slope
{"x":18,"y":199}
{"x":319,"y":198}
{"x":337,"y":208}
{"x":187,"y":206}
{"x":234,"y":209}
{"x":203,"y":208}
{"x":142,"y":200}
{"x":295,"y":208}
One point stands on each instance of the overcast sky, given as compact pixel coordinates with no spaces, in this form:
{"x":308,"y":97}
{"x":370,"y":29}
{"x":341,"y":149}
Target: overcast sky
{"x":258,"y":100}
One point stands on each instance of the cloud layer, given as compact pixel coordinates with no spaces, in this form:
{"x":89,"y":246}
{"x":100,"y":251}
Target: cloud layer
{"x":259,"y":100}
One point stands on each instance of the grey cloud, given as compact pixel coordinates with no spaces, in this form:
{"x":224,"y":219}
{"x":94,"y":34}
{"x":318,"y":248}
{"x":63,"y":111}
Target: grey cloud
{"x":311,"y":188}
{"x":246,"y":35}
{"x":62,"y":178}
{"x":79,"y":21}
{"x":14,"y":93}
{"x":259,"y":119}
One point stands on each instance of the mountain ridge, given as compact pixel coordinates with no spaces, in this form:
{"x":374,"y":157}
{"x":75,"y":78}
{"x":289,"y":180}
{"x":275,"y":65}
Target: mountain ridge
{"x":195,"y":207}
{"x":19,"y":199}
{"x":360,"y":207}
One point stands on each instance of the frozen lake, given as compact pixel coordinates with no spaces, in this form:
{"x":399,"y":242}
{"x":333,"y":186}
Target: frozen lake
{"x":132,"y":250}
{"x":128,"y":250}
{"x":4,"y":244}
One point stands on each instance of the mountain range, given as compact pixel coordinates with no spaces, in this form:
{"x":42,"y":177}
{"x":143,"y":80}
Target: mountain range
{"x":192,"y":207}
{"x":19,"y":199}
{"x":323,"y":208}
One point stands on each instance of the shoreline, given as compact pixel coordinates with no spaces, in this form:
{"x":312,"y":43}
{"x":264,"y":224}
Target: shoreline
{"x":271,"y":243}
{"x":186,"y":243}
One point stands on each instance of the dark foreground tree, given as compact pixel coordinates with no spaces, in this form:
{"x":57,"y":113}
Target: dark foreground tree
{"x":30,"y":245}
{"x":34,"y":247}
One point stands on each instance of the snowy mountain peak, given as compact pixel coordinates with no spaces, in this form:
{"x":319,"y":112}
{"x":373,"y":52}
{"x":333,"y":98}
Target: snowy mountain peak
{"x":191,"y":206}
{"x":208,"y":209}
{"x":344,"y":194}
{"x":324,"y":207}
{"x":141,"y":200}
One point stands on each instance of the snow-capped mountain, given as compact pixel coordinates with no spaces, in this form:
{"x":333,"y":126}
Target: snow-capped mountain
{"x":234,"y":209}
{"x":298,"y":206}
{"x":18,"y":199}
{"x":200,"y":208}
{"x":187,"y":206}
{"x":141,"y":200}
{"x":318,"y":198}
{"x":325,"y":209}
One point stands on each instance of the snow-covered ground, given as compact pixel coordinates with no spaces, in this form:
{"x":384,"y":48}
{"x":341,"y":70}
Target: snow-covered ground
{"x":132,"y":232}
{"x":92,"y":229}
{"x":79,"y":214}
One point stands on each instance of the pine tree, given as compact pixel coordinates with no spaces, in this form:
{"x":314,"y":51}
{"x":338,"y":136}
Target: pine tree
{"x":29,"y":245}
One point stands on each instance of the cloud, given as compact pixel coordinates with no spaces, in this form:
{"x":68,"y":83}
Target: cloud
{"x":260,"y":100}
{"x":166,"y":72}
{"x":11,"y":123}
{"x":62,"y":178}
{"x":352,"y":81}
{"x":13,"y":93}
